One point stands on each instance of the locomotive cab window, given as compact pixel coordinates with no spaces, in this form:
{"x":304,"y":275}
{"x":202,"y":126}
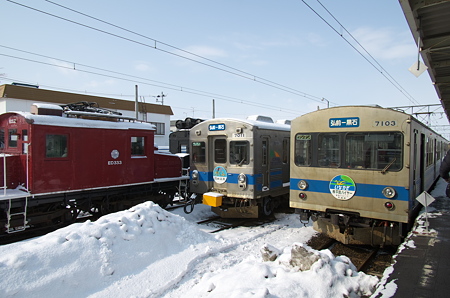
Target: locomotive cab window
{"x":12,"y":139}
{"x":56,"y":146}
{"x":198,"y":152}
{"x":374,"y":151}
{"x":239,"y":152}
{"x":137,"y":146}
{"x":2,"y":138}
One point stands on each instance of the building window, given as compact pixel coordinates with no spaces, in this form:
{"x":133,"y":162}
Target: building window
{"x":56,"y":146}
{"x":137,"y":146}
{"x":160,"y":128}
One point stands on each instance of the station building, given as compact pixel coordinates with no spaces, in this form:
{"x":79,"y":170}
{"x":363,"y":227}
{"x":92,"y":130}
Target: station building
{"x":21,"y":97}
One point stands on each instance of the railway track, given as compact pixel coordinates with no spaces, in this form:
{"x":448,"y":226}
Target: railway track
{"x":219,"y":224}
{"x":370,"y":260}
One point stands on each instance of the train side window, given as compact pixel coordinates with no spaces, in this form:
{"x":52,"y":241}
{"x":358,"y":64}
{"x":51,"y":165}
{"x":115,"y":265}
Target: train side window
{"x":302,"y":154}
{"x":137,"y":146}
{"x":374,"y":151}
{"x":56,"y":146}
{"x":12,"y":138}
{"x":264,"y":153}
{"x":328,"y":150}
{"x":220,"y":151}
{"x":285,"y":156}
{"x":239,"y":152}
{"x":198,"y":152}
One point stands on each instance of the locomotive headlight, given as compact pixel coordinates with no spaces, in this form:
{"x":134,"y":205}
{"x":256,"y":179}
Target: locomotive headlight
{"x":389,"y":192}
{"x":302,"y":184}
{"x":242,"y":181}
{"x":195,"y":176}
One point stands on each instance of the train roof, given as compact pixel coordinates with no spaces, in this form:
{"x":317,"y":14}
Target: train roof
{"x":78,"y":122}
{"x":254,"y":123}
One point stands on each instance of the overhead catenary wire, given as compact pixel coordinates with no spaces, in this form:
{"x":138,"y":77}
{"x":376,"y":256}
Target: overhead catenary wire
{"x":145,"y":81}
{"x":222,"y":67}
{"x":380,"y":69}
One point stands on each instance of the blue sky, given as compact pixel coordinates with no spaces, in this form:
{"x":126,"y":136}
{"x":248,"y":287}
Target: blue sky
{"x":275,"y":58}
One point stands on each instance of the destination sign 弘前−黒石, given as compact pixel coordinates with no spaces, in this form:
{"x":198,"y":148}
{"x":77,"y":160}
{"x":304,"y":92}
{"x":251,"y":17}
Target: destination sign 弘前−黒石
{"x":214,"y":127}
{"x":344,"y":122}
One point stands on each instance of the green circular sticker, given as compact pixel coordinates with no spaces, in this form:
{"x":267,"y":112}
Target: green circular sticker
{"x":342,"y":187}
{"x":220,"y":174}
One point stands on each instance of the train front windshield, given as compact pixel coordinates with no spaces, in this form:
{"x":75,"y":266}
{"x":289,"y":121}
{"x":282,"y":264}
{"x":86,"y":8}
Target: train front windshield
{"x":362,"y":150}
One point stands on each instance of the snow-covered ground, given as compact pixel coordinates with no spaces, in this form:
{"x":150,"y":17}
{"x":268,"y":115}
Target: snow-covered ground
{"x":149,"y":252}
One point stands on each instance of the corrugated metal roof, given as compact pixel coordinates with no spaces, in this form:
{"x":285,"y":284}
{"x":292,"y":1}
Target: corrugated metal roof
{"x":50,"y":96}
{"x":429,"y":21}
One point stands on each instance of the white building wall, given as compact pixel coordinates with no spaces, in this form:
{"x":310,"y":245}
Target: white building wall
{"x":22,"y":105}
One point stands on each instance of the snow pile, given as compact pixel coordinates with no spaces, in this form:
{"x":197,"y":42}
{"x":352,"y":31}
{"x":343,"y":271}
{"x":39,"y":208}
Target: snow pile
{"x":149,"y":252}
{"x":299,"y":271}
{"x":78,"y":260}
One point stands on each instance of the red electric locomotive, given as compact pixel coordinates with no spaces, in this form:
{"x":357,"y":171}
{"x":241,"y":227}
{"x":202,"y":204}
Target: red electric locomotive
{"x":56,"y":164}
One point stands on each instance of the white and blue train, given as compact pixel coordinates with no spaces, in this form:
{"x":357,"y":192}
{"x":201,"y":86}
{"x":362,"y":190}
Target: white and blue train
{"x":356,"y":171}
{"x":240,"y":167}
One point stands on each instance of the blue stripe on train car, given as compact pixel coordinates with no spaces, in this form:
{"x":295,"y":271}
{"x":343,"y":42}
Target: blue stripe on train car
{"x":233,"y":178}
{"x":362,"y":190}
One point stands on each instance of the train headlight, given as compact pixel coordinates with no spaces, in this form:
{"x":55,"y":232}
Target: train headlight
{"x":195,"y":176}
{"x":302,"y":184}
{"x":242,"y":181}
{"x":389,"y":192}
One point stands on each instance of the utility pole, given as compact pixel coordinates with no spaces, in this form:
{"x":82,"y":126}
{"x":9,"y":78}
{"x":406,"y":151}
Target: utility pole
{"x":158,"y":97}
{"x":136,"y":106}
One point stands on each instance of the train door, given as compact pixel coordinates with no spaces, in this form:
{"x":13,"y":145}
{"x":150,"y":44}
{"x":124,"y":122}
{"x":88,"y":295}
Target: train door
{"x":422,"y":159}
{"x":219,"y":161}
{"x":265,"y":166}
{"x":414,"y":156}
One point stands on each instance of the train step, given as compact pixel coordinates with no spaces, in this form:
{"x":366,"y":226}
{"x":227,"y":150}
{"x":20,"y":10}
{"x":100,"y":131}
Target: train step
{"x":20,"y":215}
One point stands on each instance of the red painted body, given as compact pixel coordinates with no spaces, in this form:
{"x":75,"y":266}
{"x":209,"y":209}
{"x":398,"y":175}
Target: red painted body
{"x":96,"y":157}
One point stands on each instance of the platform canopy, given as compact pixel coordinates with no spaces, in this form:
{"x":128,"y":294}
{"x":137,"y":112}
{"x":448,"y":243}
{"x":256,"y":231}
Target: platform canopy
{"x":429,"y":21}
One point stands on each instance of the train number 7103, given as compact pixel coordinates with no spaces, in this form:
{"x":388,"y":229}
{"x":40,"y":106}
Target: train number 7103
{"x":385,"y":123}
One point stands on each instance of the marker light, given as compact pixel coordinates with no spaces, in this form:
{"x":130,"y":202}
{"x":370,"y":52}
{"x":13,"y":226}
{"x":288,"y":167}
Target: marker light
{"x":302,"y":195}
{"x":302,"y":184}
{"x":389,"y":192}
{"x":389,"y":205}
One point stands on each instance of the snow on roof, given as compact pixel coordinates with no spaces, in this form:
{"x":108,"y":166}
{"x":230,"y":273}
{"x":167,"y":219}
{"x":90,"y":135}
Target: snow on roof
{"x":86,"y":123}
{"x":47,"y":106}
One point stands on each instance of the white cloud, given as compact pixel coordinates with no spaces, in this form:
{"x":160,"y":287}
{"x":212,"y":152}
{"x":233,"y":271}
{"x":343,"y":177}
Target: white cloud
{"x":384,"y":43}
